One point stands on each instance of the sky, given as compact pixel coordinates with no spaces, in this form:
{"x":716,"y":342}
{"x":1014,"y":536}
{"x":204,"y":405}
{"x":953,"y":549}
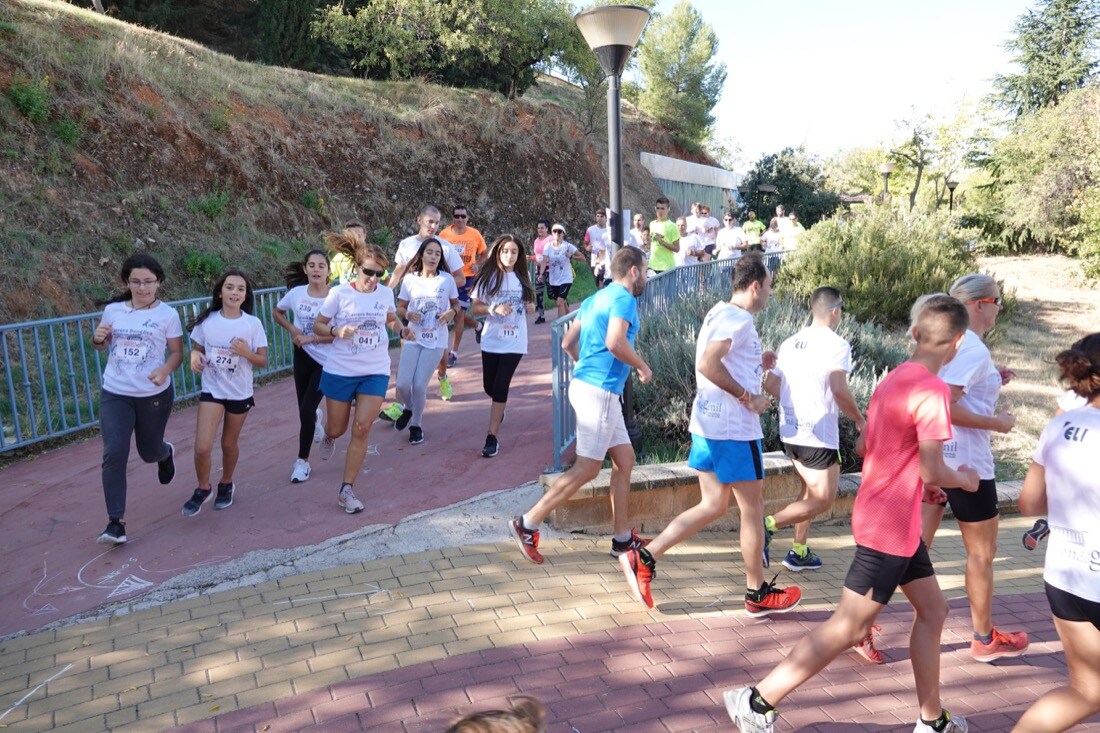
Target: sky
{"x":836,"y":75}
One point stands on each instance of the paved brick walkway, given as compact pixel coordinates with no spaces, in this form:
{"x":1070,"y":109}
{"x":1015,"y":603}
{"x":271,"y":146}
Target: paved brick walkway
{"x":406,"y":643}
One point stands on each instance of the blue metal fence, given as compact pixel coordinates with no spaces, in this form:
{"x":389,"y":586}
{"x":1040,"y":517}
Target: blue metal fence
{"x":661,"y":292}
{"x":51,"y":376}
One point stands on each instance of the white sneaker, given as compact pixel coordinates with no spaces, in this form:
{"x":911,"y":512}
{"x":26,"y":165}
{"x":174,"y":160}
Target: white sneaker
{"x":348,"y":502}
{"x":955,"y":724}
{"x":319,"y":427}
{"x":742,"y":715}
{"x":301,"y":471}
{"x":327,"y":447}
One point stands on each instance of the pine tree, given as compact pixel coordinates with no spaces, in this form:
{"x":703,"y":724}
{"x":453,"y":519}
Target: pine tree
{"x":285,"y":35}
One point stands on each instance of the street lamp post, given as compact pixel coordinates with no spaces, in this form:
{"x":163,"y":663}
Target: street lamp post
{"x":886,"y":169}
{"x":612,"y":32}
{"x":952,"y":184}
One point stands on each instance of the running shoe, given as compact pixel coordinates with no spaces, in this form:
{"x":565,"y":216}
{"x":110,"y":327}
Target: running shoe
{"x":478,"y":330}
{"x":639,"y":575}
{"x":224,"y":499}
{"x":391,"y":413}
{"x":1001,"y":646}
{"x":539,"y":320}
{"x":793,"y":561}
{"x":742,"y":714}
{"x":301,"y":471}
{"x":634,"y":543}
{"x":319,"y":426}
{"x":767,"y":545}
{"x":452,"y":358}
{"x":445,"y":390}
{"x":772,"y":600}
{"x":402,"y":422}
{"x":166,"y":469}
{"x":327,"y":448}
{"x":1036,"y":534}
{"x":955,"y":724}
{"x":115,"y":534}
{"x":527,"y":539}
{"x":492,"y":446}
{"x":416,"y":435}
{"x":347,"y":500}
{"x":194,"y":504}
{"x":866,"y":648}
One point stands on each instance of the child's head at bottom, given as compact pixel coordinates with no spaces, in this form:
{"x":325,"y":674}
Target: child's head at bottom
{"x":527,"y":715}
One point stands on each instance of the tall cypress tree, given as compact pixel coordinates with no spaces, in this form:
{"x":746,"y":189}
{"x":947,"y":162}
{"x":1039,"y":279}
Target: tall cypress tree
{"x":285,"y":36}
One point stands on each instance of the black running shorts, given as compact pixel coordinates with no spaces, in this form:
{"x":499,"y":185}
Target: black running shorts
{"x":817,"y":459}
{"x":559,"y":291}
{"x":233,"y":407}
{"x":1068,"y":607}
{"x":882,"y":574}
{"x":974,"y":506}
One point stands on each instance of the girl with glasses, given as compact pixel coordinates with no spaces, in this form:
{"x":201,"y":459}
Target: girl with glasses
{"x":144,"y":337}
{"x":357,"y":371}
{"x":559,"y":271}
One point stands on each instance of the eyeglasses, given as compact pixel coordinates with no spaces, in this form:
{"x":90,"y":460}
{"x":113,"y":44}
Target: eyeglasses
{"x":998,"y":301}
{"x":372,"y":273}
{"x":727,"y":219}
{"x":460,"y":216}
{"x":141,"y":283}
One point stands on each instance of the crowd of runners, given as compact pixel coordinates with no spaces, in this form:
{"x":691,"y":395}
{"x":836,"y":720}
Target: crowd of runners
{"x":925,"y":436}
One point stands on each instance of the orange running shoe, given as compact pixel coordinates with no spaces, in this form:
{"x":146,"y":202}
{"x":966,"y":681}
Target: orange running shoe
{"x":639,"y":574}
{"x":527,"y":539}
{"x":772,"y":600}
{"x":866,"y":648}
{"x":1001,"y":646}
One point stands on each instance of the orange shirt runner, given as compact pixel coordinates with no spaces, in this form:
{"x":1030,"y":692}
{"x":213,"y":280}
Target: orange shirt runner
{"x":470,"y":245}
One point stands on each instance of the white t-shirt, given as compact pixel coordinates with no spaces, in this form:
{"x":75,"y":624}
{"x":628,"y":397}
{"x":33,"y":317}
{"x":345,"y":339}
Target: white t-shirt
{"x":691,"y":249}
{"x":561,"y":272}
{"x":305,"y":307}
{"x":771,"y":241}
{"x":1067,"y":451}
{"x":709,"y":228}
{"x":367,"y":352}
{"x":807,"y":407}
{"x":729,"y":242}
{"x":505,"y":334}
{"x":409,"y":246}
{"x":228,"y":376}
{"x":634,"y":239}
{"x":716,"y":414}
{"x":139,"y":340}
{"x":429,"y":296}
{"x":599,"y":239}
{"x":1071,"y":401}
{"x":974,"y":371}
{"x":694,"y":224}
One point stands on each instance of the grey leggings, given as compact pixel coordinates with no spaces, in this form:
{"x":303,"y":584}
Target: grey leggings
{"x":120,"y":417}
{"x":414,"y":371}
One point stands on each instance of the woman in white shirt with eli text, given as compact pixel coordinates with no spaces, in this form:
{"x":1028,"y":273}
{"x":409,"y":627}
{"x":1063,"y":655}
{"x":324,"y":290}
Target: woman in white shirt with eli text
{"x":227,"y":341}
{"x":145,"y":341}
{"x":357,"y":372}
{"x":1062,"y":482}
{"x":502,"y":293}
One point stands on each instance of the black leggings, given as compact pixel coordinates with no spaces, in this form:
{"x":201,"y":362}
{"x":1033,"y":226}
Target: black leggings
{"x":496,"y":374}
{"x":307,"y":383}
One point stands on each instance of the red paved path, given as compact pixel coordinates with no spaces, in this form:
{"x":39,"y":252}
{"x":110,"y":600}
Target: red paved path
{"x":668,"y":677}
{"x":52,"y":505}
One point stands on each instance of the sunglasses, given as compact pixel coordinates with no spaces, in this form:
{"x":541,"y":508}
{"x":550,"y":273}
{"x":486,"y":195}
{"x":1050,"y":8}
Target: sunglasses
{"x":459,"y":216}
{"x":995,"y":301}
{"x":559,"y":231}
{"x":372,"y":273}
{"x":838,"y":307}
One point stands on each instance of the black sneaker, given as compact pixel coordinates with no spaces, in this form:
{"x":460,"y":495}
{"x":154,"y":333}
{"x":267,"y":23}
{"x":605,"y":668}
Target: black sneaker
{"x":416,"y":435}
{"x":477,"y":332}
{"x":166,"y":469}
{"x":492,"y":447}
{"x":1036,"y":534}
{"x":635,"y":542}
{"x":191,"y":508}
{"x":224,"y":499}
{"x":115,"y":534}
{"x":402,"y":421}
{"x":539,"y":320}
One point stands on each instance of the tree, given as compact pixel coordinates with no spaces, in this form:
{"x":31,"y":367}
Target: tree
{"x":1055,"y":47}
{"x":284,"y":33}
{"x":800,"y":182}
{"x":681,"y":79}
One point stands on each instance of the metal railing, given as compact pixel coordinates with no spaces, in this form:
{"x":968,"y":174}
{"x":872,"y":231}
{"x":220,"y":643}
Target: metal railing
{"x":661,"y":292}
{"x":52,"y":377}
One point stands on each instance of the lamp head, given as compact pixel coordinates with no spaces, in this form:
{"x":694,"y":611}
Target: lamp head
{"x":612,"y":32}
{"x":886,"y":168}
{"x":952,"y":184}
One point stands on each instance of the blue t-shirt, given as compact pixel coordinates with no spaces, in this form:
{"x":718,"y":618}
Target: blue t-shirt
{"x":598,"y":366}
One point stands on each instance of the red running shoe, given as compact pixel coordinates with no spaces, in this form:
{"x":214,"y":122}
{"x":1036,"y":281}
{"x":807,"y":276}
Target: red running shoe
{"x":772,"y":600}
{"x":639,"y":575}
{"x":634,"y":543}
{"x":1001,"y":646}
{"x":866,"y":648}
{"x":527,"y":539}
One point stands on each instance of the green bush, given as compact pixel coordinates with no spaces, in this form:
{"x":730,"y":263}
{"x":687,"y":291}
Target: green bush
{"x":68,"y":131}
{"x":204,"y":266}
{"x":212,"y":205}
{"x":668,"y":345}
{"x":32,"y":98}
{"x":882,"y":262}
{"x":314,"y":201}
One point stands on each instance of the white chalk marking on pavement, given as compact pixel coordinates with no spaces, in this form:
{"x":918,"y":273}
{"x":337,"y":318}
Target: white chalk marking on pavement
{"x":37,"y":687}
{"x":371,"y":593}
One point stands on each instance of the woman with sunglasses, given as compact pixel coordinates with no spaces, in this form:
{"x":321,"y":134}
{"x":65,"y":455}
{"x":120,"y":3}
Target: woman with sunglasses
{"x":428,"y":303}
{"x":975,"y":384}
{"x":357,"y":371}
{"x":559,"y":271}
